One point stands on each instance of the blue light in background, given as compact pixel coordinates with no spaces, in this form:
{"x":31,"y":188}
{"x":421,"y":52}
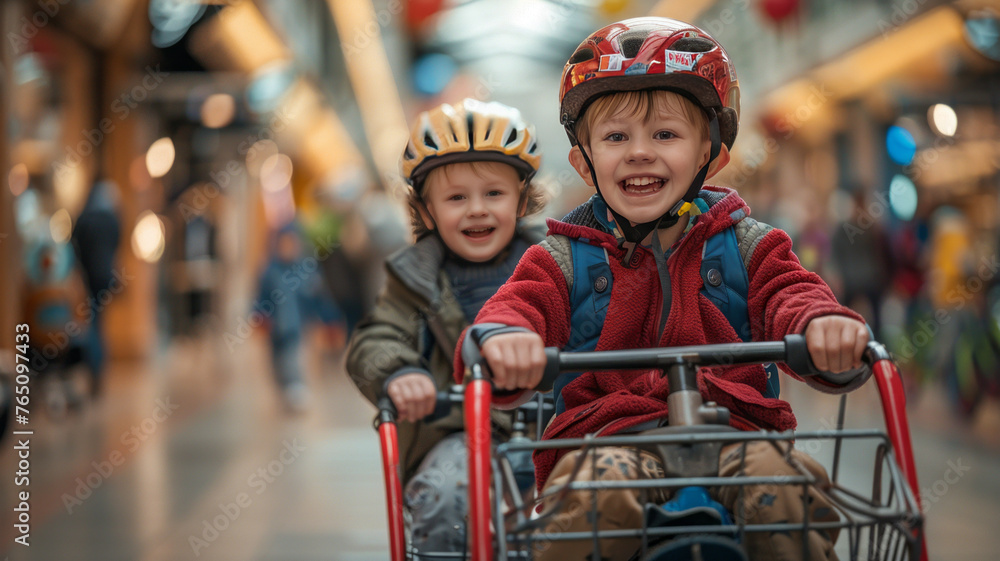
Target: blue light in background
{"x":431,"y":73}
{"x":903,"y":197}
{"x":901,"y":145}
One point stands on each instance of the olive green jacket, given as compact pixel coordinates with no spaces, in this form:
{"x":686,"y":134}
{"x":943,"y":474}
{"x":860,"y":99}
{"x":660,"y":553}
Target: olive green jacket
{"x":414,"y":327}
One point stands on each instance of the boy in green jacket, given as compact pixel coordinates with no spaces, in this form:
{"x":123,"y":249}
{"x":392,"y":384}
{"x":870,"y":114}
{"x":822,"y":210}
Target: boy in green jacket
{"x":470,"y":167}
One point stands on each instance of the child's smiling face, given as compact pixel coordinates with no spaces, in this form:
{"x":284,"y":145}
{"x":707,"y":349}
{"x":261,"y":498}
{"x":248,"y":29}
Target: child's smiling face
{"x":474,"y":207}
{"x":645,"y":158}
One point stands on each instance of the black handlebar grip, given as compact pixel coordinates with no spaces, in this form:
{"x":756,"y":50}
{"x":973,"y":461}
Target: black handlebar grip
{"x":442,"y":408}
{"x":797,"y":355}
{"x":551,"y":369}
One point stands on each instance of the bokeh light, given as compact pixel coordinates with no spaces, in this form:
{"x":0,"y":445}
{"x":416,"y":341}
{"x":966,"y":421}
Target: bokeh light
{"x":148,"y":237}
{"x":276,"y":173}
{"x":218,"y":110}
{"x":943,"y":119}
{"x":901,"y":145}
{"x":18,"y":179}
{"x":431,"y":73}
{"x":61,"y":226}
{"x":903,"y":197}
{"x":160,"y":157}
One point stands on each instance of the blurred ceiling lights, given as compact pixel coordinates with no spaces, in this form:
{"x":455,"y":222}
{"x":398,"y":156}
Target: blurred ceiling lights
{"x":238,"y":38}
{"x":874,"y":63}
{"x":18,"y":179}
{"x":218,"y":110}
{"x":291,"y":109}
{"x":374,"y":86}
{"x":160,"y":157}
{"x":942,"y":119}
{"x":508,"y":33}
{"x":148,"y":239}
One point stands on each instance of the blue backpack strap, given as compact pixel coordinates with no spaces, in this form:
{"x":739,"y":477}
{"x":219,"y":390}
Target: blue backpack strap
{"x":589,"y":300}
{"x":727,"y":285}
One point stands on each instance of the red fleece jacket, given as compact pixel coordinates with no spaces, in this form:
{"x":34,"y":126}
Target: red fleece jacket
{"x":783,"y":298}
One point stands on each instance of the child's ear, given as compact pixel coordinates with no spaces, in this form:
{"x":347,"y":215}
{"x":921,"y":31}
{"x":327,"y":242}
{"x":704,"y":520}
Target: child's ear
{"x":580,"y":164}
{"x":719,"y":162}
{"x":425,"y":215}
{"x":522,"y":208}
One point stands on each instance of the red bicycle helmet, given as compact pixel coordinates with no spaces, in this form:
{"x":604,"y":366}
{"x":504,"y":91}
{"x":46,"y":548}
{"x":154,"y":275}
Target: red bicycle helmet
{"x":652,"y":53}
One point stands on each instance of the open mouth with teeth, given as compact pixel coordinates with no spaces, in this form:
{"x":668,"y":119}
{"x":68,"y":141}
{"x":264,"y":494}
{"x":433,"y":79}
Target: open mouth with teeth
{"x":641,"y":185}
{"x":479,"y":232}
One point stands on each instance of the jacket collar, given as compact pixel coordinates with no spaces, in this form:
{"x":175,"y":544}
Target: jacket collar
{"x":590,"y":221}
{"x":419,"y":266}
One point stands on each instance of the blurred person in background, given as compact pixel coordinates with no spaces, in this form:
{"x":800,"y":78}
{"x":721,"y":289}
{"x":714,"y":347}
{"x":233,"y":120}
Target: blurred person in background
{"x":291,"y":295}
{"x":470,"y":166}
{"x":59,"y":318}
{"x":812,"y":244}
{"x":95,"y":238}
{"x":862,"y":260}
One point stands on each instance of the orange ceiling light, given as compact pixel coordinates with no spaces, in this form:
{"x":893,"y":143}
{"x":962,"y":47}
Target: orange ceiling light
{"x":239,"y":38}
{"x":374,"y":87}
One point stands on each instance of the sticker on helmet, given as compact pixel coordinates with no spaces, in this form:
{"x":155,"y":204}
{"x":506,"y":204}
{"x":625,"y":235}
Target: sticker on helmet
{"x":612,"y":62}
{"x":680,"y":60}
{"x":637,"y":68}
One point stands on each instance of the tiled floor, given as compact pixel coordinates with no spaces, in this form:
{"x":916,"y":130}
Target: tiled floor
{"x":190,"y":457}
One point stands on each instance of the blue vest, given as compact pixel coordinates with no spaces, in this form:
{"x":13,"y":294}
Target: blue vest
{"x":725,"y":284}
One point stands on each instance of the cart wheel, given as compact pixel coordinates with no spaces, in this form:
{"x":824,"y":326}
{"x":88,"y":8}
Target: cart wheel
{"x":716,"y":548}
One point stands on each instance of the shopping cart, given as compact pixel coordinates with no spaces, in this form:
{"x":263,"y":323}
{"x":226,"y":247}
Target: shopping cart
{"x":528,"y":421}
{"x":885,"y":523}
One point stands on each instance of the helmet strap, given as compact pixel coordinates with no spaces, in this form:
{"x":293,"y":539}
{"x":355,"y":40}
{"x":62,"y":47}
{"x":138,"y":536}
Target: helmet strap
{"x":683,"y":205}
{"x":633,"y":234}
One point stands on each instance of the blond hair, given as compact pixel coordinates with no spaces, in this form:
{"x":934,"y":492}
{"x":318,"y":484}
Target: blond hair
{"x":531,"y":193}
{"x":645,"y":104}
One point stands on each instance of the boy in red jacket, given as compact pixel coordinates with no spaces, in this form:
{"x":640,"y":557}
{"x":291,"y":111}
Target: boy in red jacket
{"x":651,"y":107}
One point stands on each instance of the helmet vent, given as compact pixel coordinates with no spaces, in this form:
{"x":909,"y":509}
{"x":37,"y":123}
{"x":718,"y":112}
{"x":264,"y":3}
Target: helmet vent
{"x":631,"y":41}
{"x":428,"y":141}
{"x":489,"y":130}
{"x":693,"y":45}
{"x":511,"y":137}
{"x":581,"y":55}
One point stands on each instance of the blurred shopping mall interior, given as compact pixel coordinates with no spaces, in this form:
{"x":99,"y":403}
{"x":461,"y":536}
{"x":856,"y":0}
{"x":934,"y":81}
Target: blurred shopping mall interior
{"x":152,"y":150}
